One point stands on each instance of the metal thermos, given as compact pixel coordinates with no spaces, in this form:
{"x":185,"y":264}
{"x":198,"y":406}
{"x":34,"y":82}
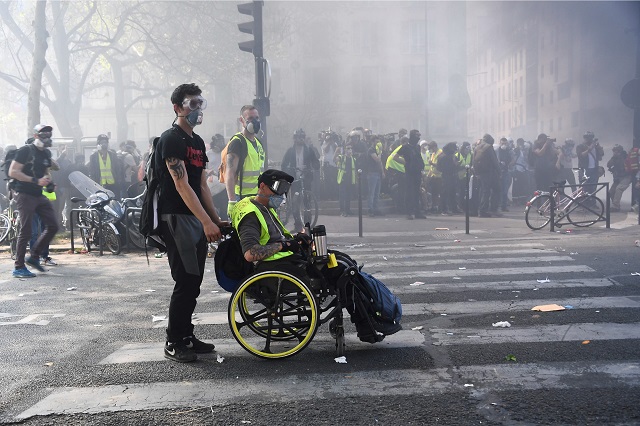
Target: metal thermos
{"x":320,"y":240}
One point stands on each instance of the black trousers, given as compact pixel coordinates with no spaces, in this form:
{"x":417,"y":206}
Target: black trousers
{"x":186,"y":289}
{"x":412,"y":196}
{"x":27,"y":206}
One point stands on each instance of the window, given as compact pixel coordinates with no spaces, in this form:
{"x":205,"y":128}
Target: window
{"x":559,"y":123}
{"x":575,"y":119}
{"x":416,"y":39}
{"x":509,"y":97}
{"x":521,"y":86}
{"x":366,"y":39}
{"x":551,"y":125}
{"x":417,"y":83}
{"x":515,"y":88}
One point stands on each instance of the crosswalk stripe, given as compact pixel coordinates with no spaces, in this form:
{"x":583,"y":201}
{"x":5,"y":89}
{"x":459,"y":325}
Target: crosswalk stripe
{"x":492,"y":306}
{"x":455,"y":308}
{"x":536,"y":334}
{"x":400,"y":286}
{"x":523,"y":270}
{"x":356,"y":248}
{"x":245,"y":389}
{"x":392,"y":234}
{"x":448,"y":261}
{"x":412,"y":254}
{"x":323,"y":342}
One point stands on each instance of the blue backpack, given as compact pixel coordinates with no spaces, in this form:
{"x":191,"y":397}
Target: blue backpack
{"x":382,"y":307}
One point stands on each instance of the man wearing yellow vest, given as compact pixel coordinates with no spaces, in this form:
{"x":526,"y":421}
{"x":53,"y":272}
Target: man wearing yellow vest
{"x":263,"y":237}
{"x":464,"y":159}
{"x":397,"y":179}
{"x":434,"y":177}
{"x":346,"y":163}
{"x":245,"y":158}
{"x":105,"y":167}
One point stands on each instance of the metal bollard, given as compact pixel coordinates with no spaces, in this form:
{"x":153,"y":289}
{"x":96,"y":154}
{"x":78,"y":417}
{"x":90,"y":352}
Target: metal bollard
{"x":466,"y":201}
{"x":360,"y":203}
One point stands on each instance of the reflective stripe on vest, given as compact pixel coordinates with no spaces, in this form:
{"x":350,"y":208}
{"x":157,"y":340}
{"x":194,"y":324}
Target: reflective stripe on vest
{"x":251,"y":168}
{"x":342,"y":168}
{"x":433,"y":171}
{"x":463,"y":161}
{"x":246,"y":206}
{"x":106,"y":177}
{"x":393,"y":164}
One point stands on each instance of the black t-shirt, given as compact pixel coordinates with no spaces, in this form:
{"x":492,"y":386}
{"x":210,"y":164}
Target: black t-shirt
{"x":35,"y":163}
{"x":413,"y":160}
{"x":175,"y":143}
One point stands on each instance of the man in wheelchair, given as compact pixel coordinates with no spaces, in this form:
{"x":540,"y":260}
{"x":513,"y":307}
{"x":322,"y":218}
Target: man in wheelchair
{"x":264,"y":239}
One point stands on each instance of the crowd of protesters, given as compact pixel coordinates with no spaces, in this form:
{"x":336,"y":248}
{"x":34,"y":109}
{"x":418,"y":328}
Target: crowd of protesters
{"x":423,"y":178}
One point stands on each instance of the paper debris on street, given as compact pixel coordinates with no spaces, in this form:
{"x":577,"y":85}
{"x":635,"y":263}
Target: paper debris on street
{"x":473,"y":249}
{"x":548,"y":308}
{"x":219,"y":358}
{"x":72,"y":288}
{"x":503,"y":324}
{"x":417,"y":328}
{"x":341,"y":360}
{"x":417,"y":283}
{"x":544,"y":281}
{"x":156,"y":318}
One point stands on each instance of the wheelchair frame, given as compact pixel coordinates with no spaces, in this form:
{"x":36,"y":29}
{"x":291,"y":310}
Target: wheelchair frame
{"x":275,"y":315}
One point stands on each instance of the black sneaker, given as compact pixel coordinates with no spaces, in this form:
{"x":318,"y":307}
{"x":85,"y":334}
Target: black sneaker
{"x":179,"y":352}
{"x":198,"y":346}
{"x":35,"y":263}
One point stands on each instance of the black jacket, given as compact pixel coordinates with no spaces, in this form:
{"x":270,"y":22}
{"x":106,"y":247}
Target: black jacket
{"x":311,"y":163}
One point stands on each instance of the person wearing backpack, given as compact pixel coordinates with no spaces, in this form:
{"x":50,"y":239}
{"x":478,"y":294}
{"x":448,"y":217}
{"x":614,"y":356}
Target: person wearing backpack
{"x":30,"y":171}
{"x":243,"y":159}
{"x":188,"y":218}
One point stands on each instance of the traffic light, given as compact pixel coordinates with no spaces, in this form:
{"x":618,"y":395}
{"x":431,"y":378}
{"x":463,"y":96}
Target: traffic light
{"x":255,"y":27}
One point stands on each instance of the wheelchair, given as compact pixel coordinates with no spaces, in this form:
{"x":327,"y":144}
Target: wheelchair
{"x":274,"y":314}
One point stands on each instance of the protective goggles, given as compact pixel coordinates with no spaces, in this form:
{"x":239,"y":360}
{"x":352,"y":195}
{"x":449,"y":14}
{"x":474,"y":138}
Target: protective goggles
{"x":280,"y":187}
{"x":197,"y":102}
{"x":45,"y":135}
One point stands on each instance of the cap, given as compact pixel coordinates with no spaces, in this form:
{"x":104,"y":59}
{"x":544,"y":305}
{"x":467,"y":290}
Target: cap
{"x":103,"y":137}
{"x":38,"y":128}
{"x":273,"y":179}
{"x":465,"y":144}
{"x":617,"y":147}
{"x":423,"y":142}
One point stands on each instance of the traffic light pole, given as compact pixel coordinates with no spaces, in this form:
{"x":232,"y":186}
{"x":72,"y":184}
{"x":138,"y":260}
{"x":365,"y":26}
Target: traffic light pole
{"x":255,"y":46}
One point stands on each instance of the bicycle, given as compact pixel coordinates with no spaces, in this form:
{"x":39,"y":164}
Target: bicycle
{"x":581,"y":208}
{"x":10,"y":225}
{"x":304,"y":202}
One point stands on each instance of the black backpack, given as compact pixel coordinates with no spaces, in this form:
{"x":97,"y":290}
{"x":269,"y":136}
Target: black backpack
{"x":11,"y":155}
{"x":230,"y":265}
{"x":150,"y":216}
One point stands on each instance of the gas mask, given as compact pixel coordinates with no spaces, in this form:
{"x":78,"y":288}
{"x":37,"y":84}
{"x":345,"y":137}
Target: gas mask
{"x":194,"y":118}
{"x":43,"y":140}
{"x":275,"y":201}
{"x":252,"y":125}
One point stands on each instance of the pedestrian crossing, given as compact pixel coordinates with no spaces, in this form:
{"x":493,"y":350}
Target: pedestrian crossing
{"x":451,"y":297}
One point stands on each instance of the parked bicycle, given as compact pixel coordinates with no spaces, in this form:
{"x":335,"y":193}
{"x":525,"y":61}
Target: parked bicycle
{"x":580,"y":208}
{"x":302,"y":202}
{"x":9,"y":225}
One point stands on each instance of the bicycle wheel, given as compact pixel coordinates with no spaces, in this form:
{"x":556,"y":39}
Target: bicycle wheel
{"x":309,"y":208}
{"x":5,"y":227}
{"x":112,"y":240}
{"x":585,"y":210}
{"x":538,"y":212}
{"x":86,"y":230}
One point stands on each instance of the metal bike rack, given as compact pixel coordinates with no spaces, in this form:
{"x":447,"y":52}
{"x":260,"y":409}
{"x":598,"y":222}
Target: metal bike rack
{"x":92,"y":212}
{"x":600,"y":186}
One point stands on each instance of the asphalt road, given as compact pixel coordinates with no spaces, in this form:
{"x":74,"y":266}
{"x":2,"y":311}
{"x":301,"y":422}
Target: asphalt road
{"x":83,"y":342}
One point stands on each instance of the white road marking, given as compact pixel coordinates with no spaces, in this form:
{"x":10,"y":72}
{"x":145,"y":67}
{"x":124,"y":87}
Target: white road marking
{"x":535,"y":334}
{"x":541,"y":270}
{"x":29,"y":319}
{"x":334,"y":384}
{"x":444,"y":261}
{"x":400,"y":286}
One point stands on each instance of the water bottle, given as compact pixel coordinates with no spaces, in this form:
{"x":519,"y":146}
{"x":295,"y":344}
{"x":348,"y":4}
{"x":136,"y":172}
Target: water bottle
{"x":320,"y":240}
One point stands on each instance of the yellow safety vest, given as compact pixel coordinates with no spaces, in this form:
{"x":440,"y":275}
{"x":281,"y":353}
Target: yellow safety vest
{"x":393,"y":164}
{"x":433,"y":171}
{"x":246,"y":206}
{"x":106,"y":177}
{"x":342,"y":168}
{"x":252,"y":167}
{"x":463,"y":161}
{"x":425,"y":160}
{"x":50,"y":195}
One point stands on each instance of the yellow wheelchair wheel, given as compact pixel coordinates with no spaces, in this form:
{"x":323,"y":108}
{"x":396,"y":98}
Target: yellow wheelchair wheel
{"x":273,"y":315}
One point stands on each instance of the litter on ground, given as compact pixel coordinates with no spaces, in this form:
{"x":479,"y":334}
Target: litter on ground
{"x":548,"y":308}
{"x":544,"y":281}
{"x":219,"y":358}
{"x":341,"y":360}
{"x":503,"y":324}
{"x":417,"y":328}
{"x":473,"y":249}
{"x":417,"y":283}
{"x":156,"y":318}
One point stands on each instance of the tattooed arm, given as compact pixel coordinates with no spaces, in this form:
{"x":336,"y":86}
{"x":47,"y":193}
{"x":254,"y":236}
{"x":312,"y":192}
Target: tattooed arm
{"x":259,"y":252}
{"x":249,"y":231}
{"x":178,"y":172}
